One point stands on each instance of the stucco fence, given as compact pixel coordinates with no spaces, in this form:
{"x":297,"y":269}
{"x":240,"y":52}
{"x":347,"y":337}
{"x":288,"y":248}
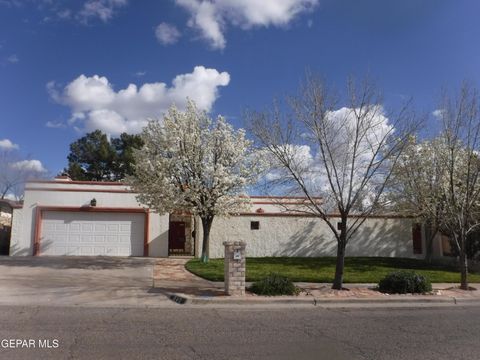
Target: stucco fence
{"x":309,"y":237}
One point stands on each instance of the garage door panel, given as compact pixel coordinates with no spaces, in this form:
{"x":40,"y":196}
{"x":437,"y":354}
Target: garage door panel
{"x":125,"y":227}
{"x":49,"y":227}
{"x":60,"y":250}
{"x":100,"y":227}
{"x":99,"y":238}
{"x":111,"y":239}
{"x":87,"y":251}
{"x":81,"y":233}
{"x":60,"y":227}
{"x":87,"y":238}
{"x":87,"y":227}
{"x":74,"y":238}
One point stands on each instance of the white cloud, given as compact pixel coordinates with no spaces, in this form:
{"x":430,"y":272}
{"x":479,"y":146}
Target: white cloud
{"x":10,"y":196}
{"x":211,"y":17}
{"x":140,"y":73}
{"x":13,"y":59}
{"x":29,"y":165}
{"x":64,"y":14}
{"x":81,"y":10}
{"x":205,"y":17}
{"x":52,"y":90}
{"x":341,"y":135}
{"x":11,"y":3}
{"x":167,"y":34}
{"x":438,"y":113}
{"x":101,"y":9}
{"x":55,"y":124}
{"x":300,"y":155}
{"x":96,"y":105}
{"x":7,"y":144}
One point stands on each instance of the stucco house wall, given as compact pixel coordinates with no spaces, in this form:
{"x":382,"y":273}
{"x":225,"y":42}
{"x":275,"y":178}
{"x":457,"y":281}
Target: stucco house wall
{"x":281,"y":232}
{"x":73,"y":194}
{"x":292,"y":235}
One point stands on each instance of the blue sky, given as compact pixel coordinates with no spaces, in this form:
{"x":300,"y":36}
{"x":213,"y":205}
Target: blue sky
{"x":64,"y":64}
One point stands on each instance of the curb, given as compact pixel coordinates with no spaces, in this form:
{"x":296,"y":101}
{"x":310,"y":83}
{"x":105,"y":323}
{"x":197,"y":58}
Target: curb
{"x":184,"y":299}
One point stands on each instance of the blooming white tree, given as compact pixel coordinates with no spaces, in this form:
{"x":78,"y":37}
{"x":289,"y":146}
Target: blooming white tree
{"x":193,"y":163}
{"x":460,"y":137}
{"x":418,"y":184}
{"x":438,"y":180}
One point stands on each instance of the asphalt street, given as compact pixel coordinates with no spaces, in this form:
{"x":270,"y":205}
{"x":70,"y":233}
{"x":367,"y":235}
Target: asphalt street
{"x":182,"y":332}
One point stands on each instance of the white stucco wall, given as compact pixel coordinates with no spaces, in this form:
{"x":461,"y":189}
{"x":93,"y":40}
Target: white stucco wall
{"x":307,"y":236}
{"x":280,"y":234}
{"x":64,"y":194}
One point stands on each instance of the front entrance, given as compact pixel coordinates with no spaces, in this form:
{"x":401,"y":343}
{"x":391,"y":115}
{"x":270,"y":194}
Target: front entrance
{"x":180,"y":235}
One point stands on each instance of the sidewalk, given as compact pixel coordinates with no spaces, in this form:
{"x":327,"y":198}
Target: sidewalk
{"x":173,"y":280}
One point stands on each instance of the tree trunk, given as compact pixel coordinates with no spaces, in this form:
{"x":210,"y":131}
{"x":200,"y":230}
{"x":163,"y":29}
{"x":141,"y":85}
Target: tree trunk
{"x":463,"y":269}
{"x":430,"y":234}
{"x":206,"y":225}
{"x":338,"y":281}
{"x":340,"y":264}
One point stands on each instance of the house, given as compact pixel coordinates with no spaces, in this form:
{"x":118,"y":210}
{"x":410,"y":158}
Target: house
{"x":65,"y":217}
{"x":6,"y":210}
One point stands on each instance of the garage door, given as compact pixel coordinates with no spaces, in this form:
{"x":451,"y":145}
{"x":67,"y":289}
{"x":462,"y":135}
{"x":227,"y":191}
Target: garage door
{"x":84,"y":233}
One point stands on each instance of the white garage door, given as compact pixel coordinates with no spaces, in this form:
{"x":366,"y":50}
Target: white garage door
{"x":85,"y":233}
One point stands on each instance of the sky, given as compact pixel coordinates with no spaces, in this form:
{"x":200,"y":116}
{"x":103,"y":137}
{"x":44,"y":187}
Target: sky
{"x":68,"y":67}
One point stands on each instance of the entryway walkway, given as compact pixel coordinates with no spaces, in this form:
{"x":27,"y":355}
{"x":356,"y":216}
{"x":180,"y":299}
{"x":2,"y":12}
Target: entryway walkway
{"x":170,"y":276}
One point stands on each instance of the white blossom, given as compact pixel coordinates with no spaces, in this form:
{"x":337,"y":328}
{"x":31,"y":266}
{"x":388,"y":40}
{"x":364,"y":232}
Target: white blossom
{"x":192,"y":163}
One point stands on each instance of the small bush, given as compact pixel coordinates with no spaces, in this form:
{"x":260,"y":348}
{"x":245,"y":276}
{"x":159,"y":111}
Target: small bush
{"x":274,"y":284}
{"x":402,"y":282}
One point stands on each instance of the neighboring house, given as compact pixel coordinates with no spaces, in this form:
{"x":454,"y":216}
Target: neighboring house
{"x":65,"y":217}
{"x":6,"y":211}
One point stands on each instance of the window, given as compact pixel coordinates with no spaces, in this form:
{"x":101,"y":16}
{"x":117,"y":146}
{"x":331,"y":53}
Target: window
{"x":254,"y":225}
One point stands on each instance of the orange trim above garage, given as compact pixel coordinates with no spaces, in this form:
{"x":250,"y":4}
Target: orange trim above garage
{"x":79,"y":190}
{"x":77,"y":182}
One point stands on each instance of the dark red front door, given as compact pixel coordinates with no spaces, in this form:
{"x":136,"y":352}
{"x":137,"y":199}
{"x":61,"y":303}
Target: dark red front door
{"x":176,"y":237}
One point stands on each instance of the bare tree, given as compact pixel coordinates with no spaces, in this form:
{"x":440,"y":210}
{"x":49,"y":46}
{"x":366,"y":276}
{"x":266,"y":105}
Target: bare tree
{"x":460,"y":158}
{"x":15,"y":171}
{"x":343,"y":153}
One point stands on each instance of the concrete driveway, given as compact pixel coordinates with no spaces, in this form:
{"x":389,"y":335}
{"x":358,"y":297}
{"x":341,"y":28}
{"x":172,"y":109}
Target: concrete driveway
{"x":78,"y":281}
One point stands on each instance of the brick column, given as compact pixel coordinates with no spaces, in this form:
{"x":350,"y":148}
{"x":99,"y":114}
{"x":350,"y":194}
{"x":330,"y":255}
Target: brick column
{"x":234,"y":268}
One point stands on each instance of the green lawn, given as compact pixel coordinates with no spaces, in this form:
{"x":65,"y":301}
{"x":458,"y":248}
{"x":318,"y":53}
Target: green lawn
{"x":357,"y":269}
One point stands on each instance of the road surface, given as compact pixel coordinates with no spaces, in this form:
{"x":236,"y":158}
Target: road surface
{"x":182,"y":332}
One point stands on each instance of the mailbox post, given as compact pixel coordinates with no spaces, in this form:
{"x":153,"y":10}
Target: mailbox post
{"x":234,"y":268}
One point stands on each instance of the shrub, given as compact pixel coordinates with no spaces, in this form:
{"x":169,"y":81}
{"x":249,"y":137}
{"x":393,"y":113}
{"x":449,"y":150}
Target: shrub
{"x":274,"y":284}
{"x":402,"y":282}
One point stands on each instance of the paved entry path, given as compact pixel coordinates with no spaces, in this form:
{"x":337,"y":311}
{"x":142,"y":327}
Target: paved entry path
{"x":171,"y":277}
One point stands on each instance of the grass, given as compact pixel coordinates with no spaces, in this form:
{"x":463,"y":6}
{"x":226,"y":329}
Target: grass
{"x":357,"y":269}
